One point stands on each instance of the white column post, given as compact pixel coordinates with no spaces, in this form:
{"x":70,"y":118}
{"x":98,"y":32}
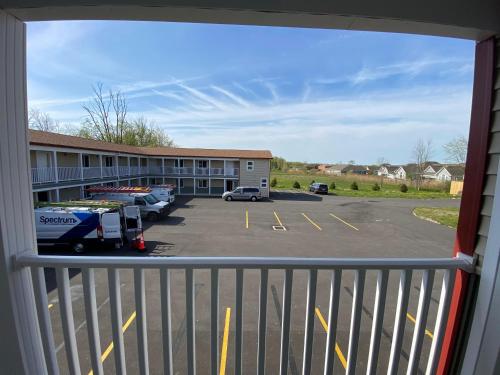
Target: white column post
{"x":56,"y":168}
{"x":80,"y":164}
{"x":178,"y":186}
{"x":117,"y":162}
{"x":100,"y":163}
{"x":209,"y":167}
{"x":20,"y":345}
{"x":209,"y":186}
{"x":224,"y":173}
{"x":163,"y":168}
{"x":194,"y":167}
{"x":128,"y":164}
{"x":58,"y":198}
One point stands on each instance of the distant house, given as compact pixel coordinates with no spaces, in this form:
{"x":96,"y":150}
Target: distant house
{"x":323,"y":167}
{"x":394,"y":172}
{"x":337,"y":169}
{"x":357,"y":169}
{"x":399,"y":173}
{"x":451,"y":173}
{"x":431,"y":170}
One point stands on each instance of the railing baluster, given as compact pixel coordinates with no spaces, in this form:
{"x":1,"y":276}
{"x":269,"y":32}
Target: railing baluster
{"x":214,"y":321}
{"x":116,"y":320}
{"x":422,"y":312}
{"x":142,"y":333}
{"x":285,"y":321}
{"x":40,"y":290}
{"x":92,"y":320}
{"x":309,"y":325}
{"x":238,"y":347}
{"x":400,"y":320}
{"x":333,"y":310}
{"x":357,"y":305}
{"x":378,"y":319}
{"x":166,"y":323}
{"x":441,"y":319}
{"x":68,"y":323}
{"x":190,"y":318}
{"x":261,"y":346}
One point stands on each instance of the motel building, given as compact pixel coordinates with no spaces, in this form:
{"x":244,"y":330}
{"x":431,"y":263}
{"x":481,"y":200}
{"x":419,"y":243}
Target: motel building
{"x":63,"y":167}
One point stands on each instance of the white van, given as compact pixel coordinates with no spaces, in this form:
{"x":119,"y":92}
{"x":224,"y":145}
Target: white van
{"x":164,"y":193}
{"x":151,"y":208}
{"x":86,"y":223}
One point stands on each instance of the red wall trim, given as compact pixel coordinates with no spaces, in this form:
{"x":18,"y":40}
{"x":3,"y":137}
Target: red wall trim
{"x":475,"y":170}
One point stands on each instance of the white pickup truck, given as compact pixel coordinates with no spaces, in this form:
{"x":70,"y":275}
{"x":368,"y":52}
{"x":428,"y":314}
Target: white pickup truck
{"x":85,"y":223}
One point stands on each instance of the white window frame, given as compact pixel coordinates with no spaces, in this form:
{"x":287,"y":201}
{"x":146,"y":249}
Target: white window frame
{"x":202,"y":182}
{"x":264,"y":182}
{"x":250,"y":165}
{"x":202,"y":163}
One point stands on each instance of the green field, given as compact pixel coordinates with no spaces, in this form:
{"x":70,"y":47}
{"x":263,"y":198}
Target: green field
{"x":389,"y":189}
{"x":443,"y":215}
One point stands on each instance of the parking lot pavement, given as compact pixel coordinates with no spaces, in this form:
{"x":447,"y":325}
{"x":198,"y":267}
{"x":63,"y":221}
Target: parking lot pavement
{"x":289,"y":224}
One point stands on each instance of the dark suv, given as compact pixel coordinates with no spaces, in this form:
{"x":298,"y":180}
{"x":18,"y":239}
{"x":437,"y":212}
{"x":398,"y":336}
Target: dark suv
{"x":318,"y":188}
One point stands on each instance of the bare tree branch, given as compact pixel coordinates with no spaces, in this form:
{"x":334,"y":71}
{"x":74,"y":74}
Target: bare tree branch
{"x":456,"y":150}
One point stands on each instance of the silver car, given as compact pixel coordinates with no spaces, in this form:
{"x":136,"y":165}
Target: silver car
{"x":243,"y":193}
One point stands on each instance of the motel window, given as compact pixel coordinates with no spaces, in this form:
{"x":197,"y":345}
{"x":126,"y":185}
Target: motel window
{"x":85,"y":161}
{"x":179,"y":163}
{"x":203,"y":183}
{"x":108,"y":161}
{"x":202,"y":164}
{"x":263,"y":182}
{"x":250,"y":165}
{"x":181,"y":183}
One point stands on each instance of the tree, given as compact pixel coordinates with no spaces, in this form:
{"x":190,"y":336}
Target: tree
{"x":39,"y":120}
{"x":422,"y":152}
{"x":456,"y":150}
{"x":106,"y":116}
{"x":141,"y":132}
{"x":279,"y":164}
{"x":381,"y":161}
{"x":106,"y":120}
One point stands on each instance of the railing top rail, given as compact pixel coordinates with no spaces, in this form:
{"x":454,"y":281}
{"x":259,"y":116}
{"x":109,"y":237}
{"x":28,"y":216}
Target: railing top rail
{"x":241,"y":262}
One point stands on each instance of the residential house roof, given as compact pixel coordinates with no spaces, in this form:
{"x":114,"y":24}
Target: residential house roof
{"x":454,"y":170}
{"x":61,"y":140}
{"x":338,"y":167}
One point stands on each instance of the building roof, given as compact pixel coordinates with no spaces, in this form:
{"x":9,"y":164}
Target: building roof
{"x":455,"y":170}
{"x":61,"y":140}
{"x":337,"y":167}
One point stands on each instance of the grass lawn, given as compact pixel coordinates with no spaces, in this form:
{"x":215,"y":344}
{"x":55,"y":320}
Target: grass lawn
{"x":389,"y":189}
{"x":443,"y":215}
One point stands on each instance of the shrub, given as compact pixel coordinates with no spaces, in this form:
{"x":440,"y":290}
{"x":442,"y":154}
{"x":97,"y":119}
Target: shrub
{"x":376,"y":187}
{"x":274,"y":182}
{"x":312,"y":182}
{"x":354,"y":186}
{"x":296,"y":185}
{"x":403,"y":188}
{"x":332,"y":185}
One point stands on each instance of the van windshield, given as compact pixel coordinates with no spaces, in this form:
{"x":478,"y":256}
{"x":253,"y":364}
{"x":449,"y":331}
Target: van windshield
{"x":151,"y":199}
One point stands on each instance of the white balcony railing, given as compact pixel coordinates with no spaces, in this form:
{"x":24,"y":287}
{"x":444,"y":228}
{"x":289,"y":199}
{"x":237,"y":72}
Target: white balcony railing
{"x":171,"y":170}
{"x":232,"y":172}
{"x":108,"y":171}
{"x":43,"y":175}
{"x":91,"y":172}
{"x":156,"y":170}
{"x":134,"y":171}
{"x":202,"y":171}
{"x":289,"y":268}
{"x":123,"y":170}
{"x":69,"y":173}
{"x":217,"y":171}
{"x":185,"y":170}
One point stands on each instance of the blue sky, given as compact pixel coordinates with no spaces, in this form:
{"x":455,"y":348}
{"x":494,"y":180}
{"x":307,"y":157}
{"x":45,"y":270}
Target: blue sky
{"x":305,"y":94}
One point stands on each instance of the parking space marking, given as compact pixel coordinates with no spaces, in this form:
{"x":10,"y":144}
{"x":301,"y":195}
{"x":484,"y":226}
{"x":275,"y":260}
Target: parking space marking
{"x":246,"y":218}
{"x":345,"y":222}
{"x":414,"y":321}
{"x":109,"y":349}
{"x":312,"y":222}
{"x":225,"y":339}
{"x":337,"y":347}
{"x":278,"y":219}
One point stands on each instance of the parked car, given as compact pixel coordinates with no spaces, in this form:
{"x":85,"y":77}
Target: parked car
{"x":318,"y":188}
{"x":243,"y":193}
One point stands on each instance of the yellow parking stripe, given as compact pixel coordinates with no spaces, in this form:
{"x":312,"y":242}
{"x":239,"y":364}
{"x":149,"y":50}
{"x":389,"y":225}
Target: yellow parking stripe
{"x":312,"y":222}
{"x":225,"y":339}
{"x":246,"y":218}
{"x":108,"y":350}
{"x":337,"y":347}
{"x":278,"y":219}
{"x":427,"y":332}
{"x":345,"y":222}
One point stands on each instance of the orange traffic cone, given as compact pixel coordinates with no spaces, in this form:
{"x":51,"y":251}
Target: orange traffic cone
{"x":141,"y":246}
